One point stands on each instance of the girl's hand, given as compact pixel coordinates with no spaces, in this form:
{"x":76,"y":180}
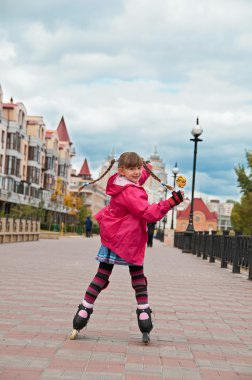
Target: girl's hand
{"x":178,"y":196}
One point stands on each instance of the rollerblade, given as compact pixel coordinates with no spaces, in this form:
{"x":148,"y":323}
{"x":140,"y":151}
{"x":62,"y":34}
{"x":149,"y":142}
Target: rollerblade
{"x":145,"y":325}
{"x":80,"y":322}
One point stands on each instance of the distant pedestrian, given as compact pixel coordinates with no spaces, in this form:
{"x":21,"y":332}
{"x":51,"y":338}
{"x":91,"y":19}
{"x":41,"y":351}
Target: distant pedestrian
{"x":88,"y":225}
{"x":151,"y":229}
{"x":123,"y":230}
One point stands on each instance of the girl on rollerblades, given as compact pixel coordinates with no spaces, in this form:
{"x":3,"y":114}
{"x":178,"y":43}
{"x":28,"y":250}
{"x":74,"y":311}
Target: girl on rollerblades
{"x":123,"y":231}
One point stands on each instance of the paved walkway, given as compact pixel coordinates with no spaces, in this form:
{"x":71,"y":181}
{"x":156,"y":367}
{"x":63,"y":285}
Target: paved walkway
{"x":202,"y":317}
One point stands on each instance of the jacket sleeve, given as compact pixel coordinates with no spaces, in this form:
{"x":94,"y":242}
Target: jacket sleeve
{"x":136,"y":201}
{"x":145,"y":175}
{"x":98,"y":216}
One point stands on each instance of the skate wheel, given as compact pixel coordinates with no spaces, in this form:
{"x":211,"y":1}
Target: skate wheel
{"x":145,"y":338}
{"x":73,"y":335}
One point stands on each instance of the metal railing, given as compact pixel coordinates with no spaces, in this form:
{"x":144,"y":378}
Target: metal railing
{"x":234,"y":250}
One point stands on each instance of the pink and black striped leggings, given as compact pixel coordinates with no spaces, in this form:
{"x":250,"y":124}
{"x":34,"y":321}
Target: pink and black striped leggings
{"x":101,"y":281}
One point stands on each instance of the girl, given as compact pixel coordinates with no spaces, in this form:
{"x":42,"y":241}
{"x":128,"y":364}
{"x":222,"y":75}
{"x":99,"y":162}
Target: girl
{"x":123,"y":231}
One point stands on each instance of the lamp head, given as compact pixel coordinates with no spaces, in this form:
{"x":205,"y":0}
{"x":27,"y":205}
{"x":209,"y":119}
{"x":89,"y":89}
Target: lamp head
{"x":197,"y":130}
{"x":175,"y":170}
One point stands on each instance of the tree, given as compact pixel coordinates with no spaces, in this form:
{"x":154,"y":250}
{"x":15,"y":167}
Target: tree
{"x":241,"y":217}
{"x":28,"y":211}
{"x":82,"y":215}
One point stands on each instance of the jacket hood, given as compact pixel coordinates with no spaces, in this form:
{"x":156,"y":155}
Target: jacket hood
{"x":113,"y":189}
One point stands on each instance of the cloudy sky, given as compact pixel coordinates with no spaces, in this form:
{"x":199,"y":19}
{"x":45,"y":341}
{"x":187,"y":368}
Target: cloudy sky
{"x":134,"y":74}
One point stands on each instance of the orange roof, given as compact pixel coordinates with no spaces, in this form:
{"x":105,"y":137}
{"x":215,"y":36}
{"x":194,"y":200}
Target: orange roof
{"x":198,"y":205}
{"x":49,"y":133}
{"x":62,"y":131}
{"x":85,"y":169}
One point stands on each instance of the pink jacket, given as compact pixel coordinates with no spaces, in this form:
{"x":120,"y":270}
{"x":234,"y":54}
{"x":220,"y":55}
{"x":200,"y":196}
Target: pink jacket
{"x":123,"y":223}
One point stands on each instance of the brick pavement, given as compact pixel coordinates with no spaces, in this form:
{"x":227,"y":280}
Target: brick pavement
{"x":202,"y":317}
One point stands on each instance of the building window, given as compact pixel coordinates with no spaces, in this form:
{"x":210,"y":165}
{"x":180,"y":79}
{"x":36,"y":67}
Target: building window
{"x":49,"y":163}
{"x":33,"y":175}
{"x":49,"y":182}
{"x":12,"y":166}
{"x":62,"y":171}
{"x":33,"y":153}
{"x":21,"y":119}
{"x":8,"y":183}
{"x":14,"y":141}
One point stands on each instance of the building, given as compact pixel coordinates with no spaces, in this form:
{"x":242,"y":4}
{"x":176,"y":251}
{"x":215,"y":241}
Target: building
{"x":224,"y":215}
{"x":22,"y":156}
{"x":224,"y":211}
{"x":33,"y":161}
{"x":203,"y":219}
{"x":154,"y":189}
{"x":105,"y":165}
{"x":94,"y":196}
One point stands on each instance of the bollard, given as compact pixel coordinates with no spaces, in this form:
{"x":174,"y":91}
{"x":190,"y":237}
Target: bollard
{"x":62,"y":227}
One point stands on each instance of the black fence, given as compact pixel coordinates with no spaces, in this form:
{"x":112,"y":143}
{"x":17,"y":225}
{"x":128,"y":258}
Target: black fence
{"x":234,"y":250}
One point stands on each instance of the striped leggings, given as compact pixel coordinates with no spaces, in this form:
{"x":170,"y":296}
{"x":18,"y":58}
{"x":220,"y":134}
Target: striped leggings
{"x":101,"y":281}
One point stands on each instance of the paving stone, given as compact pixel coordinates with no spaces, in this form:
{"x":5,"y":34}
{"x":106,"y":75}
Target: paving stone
{"x":202,"y":317}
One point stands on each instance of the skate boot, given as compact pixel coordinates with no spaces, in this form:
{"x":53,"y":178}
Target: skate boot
{"x":80,"y":322}
{"x":145,"y":325}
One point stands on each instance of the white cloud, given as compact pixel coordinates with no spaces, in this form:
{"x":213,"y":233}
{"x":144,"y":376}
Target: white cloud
{"x":134,"y":74}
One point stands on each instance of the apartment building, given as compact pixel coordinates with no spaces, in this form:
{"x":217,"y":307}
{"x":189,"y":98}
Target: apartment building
{"x":33,"y":160}
{"x":14,"y":153}
{"x":224,"y":211}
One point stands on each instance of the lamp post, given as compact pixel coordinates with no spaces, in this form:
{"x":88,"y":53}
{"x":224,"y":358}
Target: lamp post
{"x":164,"y":220}
{"x":196,"y":132}
{"x":175,"y":171}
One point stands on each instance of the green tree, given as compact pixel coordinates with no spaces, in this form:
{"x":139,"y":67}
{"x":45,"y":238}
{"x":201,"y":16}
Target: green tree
{"x":27,"y":211}
{"x":241,"y":217}
{"x":82,"y":215}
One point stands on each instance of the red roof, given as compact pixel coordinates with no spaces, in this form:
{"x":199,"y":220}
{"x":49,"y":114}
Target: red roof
{"x":85,"y":169}
{"x":198,"y":205}
{"x":62,"y":131}
{"x":9,"y":105}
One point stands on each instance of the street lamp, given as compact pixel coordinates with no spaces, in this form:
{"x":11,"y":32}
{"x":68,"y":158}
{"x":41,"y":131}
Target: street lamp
{"x":196,"y":132}
{"x":175,"y":171}
{"x":164,"y":220}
